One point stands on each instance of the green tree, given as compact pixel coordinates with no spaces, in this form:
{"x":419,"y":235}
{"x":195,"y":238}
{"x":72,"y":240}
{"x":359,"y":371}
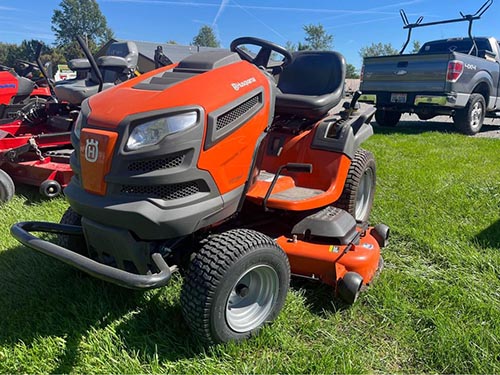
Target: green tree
{"x":206,"y":38}
{"x":416,"y":46}
{"x":316,"y":38}
{"x":79,"y":17}
{"x":290,"y":46}
{"x":27,"y":49}
{"x":8,"y":54}
{"x":378,"y":49}
{"x":351,"y":72}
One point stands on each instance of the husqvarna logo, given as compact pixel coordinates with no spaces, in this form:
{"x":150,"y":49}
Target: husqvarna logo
{"x":92,"y":150}
{"x":239,"y":85}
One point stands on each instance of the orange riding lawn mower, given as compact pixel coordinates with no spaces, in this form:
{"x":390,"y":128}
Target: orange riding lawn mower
{"x":231,"y":168}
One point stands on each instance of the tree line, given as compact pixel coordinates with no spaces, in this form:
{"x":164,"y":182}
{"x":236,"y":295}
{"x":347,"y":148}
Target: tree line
{"x":84,"y":18}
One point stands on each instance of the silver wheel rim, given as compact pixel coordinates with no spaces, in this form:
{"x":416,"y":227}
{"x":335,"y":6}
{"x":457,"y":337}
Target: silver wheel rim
{"x":363,"y":195}
{"x":476,"y":115}
{"x":252,"y":298}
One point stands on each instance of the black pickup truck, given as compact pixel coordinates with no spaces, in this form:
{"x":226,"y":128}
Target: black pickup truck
{"x":443,"y":78}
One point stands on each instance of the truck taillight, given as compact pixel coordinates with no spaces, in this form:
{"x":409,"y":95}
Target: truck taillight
{"x":455,"y":70}
{"x":362,"y":73}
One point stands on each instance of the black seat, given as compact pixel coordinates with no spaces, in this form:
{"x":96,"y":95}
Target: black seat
{"x":312,"y":84}
{"x":80,"y":66}
{"x":116,"y":66}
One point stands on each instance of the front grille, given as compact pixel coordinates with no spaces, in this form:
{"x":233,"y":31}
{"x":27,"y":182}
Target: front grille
{"x":166,"y":192}
{"x":157,"y":164}
{"x":237,"y":112}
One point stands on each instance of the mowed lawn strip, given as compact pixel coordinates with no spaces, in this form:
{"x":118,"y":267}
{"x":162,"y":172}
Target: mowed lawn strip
{"x":434,"y":308}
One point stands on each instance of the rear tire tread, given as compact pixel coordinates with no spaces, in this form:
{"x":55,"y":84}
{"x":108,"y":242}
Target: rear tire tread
{"x":347,"y":201}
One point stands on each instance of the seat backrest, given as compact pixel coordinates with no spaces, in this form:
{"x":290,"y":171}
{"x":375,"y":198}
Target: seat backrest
{"x":127,"y":50}
{"x":119,"y":63}
{"x":313,"y":73}
{"x":116,"y":66}
{"x":80,"y":66}
{"x":311,"y":85}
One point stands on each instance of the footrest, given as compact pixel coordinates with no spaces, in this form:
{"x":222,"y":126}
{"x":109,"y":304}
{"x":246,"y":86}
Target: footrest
{"x":286,"y":195}
{"x":296,"y":194}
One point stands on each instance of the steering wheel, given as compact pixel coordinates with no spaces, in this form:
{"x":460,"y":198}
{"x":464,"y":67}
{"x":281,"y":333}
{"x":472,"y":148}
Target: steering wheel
{"x":263,"y":57}
{"x":33,"y":65}
{"x":25,"y":68}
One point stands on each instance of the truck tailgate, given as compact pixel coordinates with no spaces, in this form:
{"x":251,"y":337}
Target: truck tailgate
{"x":406,"y":73}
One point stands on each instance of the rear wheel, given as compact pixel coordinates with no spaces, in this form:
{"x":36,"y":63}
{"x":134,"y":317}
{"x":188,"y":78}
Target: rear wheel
{"x":237,"y":282}
{"x":7,"y":187}
{"x":469,"y":120}
{"x":359,"y":189}
{"x":387,"y":118}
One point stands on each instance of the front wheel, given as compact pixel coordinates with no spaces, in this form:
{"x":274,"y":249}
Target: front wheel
{"x":469,"y":120}
{"x":387,"y":118}
{"x":73,"y":243}
{"x":237,"y":282}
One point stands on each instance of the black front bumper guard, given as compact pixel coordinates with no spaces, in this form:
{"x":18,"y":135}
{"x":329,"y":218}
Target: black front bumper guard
{"x":21,"y":231}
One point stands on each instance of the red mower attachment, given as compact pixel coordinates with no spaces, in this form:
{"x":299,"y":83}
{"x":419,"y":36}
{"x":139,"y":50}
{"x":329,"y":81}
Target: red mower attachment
{"x":39,"y":157}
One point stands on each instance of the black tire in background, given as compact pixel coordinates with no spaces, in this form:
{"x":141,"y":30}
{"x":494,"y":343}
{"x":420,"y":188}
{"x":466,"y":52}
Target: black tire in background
{"x":469,"y":120}
{"x":359,"y":189}
{"x":425,"y":116}
{"x":387,"y":118}
{"x":74,"y":243}
{"x":236,"y":283}
{"x":7,"y":187}
{"x":50,"y":188}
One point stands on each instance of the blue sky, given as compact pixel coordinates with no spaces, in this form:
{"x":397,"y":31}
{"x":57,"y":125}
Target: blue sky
{"x":353,"y":24}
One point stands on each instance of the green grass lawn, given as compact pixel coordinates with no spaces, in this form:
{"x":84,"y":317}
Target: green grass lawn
{"x":434,"y":309}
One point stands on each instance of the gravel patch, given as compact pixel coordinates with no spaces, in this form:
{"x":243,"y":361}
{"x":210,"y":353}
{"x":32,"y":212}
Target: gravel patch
{"x":490,"y":128}
{"x":412,"y":124}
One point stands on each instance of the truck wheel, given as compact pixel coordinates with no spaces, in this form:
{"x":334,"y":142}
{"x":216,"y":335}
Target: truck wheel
{"x":387,"y":118}
{"x":7,"y":187}
{"x":425,"y":116}
{"x":237,"y":282}
{"x":469,"y":120}
{"x":74,"y":243}
{"x":359,"y":188}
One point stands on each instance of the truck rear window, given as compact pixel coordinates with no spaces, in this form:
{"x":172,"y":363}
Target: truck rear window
{"x":457,"y":45}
